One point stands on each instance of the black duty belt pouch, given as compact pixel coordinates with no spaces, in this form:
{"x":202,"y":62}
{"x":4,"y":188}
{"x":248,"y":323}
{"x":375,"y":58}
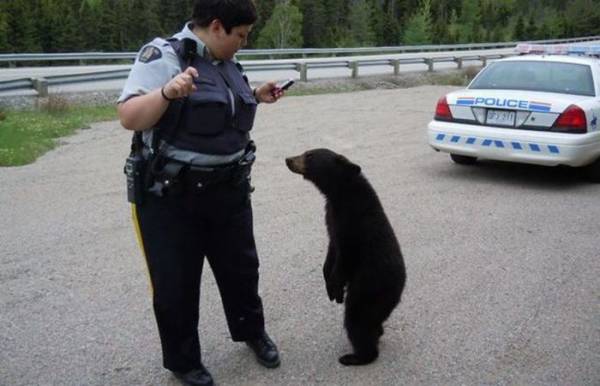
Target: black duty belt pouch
{"x":134,"y":169}
{"x":237,"y":173}
{"x":166,"y":177}
{"x":135,"y":173}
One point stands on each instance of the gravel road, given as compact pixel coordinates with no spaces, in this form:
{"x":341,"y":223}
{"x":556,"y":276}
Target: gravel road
{"x":502,"y":260}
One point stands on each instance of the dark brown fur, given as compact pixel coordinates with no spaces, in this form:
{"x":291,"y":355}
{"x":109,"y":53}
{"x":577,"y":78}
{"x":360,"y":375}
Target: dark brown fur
{"x":364,"y":257}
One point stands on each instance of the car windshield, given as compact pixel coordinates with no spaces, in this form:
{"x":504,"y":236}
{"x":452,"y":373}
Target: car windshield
{"x":564,"y":78}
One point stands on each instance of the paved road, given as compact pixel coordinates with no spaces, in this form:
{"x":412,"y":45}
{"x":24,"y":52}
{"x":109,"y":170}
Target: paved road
{"x":255,"y":76}
{"x":502,"y":262}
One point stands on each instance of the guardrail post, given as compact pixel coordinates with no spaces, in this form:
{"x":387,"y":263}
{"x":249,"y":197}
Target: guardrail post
{"x":354,"y":67}
{"x":302,"y":68}
{"x":41,"y":86}
{"x":396,"y":64}
{"x":429,"y":63}
{"x":483,"y":61}
{"x":459,"y":62}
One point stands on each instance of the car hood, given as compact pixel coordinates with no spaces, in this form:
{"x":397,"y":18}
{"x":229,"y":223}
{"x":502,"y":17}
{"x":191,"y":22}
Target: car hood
{"x":536,"y":101}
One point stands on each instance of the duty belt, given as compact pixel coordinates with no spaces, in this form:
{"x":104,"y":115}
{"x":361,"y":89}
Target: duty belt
{"x":174,"y":176}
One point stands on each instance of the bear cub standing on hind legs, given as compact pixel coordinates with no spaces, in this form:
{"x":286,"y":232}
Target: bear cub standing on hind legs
{"x":364,"y":256}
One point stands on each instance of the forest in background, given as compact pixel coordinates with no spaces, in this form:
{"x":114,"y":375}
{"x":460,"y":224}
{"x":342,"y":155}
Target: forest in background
{"x":125,"y":25}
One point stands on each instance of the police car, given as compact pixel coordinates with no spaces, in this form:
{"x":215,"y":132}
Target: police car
{"x":541,"y":107}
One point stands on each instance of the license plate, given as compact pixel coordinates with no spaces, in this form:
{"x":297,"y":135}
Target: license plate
{"x":500,"y":117}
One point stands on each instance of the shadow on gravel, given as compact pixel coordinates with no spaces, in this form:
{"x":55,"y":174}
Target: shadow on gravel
{"x":523,"y":175}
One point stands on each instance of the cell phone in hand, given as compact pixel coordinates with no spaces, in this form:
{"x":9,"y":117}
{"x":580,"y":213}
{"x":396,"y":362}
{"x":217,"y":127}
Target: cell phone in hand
{"x":285,"y":85}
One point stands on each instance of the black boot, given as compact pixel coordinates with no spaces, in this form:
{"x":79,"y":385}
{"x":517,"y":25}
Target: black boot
{"x":265,"y":350}
{"x":195,"y":377}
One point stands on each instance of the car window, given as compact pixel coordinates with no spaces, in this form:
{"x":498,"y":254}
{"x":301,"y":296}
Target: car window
{"x":564,"y":78}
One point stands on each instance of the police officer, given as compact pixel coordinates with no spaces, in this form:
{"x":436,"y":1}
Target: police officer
{"x":192,"y":109}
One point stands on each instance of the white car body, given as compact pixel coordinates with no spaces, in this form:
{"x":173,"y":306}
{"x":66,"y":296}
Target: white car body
{"x":531,"y":138}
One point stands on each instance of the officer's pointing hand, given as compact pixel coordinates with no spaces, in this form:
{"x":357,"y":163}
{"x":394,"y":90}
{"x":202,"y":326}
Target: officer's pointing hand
{"x":182,"y":85}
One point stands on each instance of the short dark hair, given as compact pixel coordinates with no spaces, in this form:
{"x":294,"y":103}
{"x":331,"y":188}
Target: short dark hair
{"x":231,"y":13}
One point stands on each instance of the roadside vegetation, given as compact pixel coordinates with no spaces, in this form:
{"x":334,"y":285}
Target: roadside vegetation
{"x":27,"y":134}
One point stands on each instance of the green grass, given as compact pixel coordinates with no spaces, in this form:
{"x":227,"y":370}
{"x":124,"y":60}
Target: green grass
{"x":26,"y":135}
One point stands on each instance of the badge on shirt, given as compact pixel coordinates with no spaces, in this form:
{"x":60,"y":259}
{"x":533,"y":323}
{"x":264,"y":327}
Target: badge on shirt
{"x":149,"y":54}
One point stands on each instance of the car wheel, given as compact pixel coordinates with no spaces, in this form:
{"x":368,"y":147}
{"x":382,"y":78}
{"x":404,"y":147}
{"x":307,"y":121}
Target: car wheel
{"x":593,"y":171}
{"x":463,"y":159}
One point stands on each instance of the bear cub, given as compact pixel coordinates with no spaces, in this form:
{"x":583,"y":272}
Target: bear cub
{"x":363,"y":257}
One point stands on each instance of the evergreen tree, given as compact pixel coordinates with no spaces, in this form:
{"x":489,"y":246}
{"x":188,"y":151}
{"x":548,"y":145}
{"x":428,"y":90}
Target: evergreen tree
{"x":453,"y":28}
{"x":89,"y":17}
{"x":582,"y":18}
{"x":69,"y":38}
{"x":4,"y":43}
{"x":283,"y":29}
{"x":173,"y":14}
{"x":119,"y":25}
{"x":390,"y":27}
{"x":418,"y":28}
{"x":552,"y":24}
{"x":144,"y":22}
{"x":531,"y":28}
{"x":264,"y":9}
{"x":315,"y":23}
{"x":360,"y":33}
{"x":108,"y":27}
{"x":469,"y":21}
{"x":21,"y":26}
{"x":337,"y":23}
{"x":519,"y":29}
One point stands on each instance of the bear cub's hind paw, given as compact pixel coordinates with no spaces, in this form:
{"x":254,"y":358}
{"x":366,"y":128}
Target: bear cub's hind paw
{"x":355,"y":360}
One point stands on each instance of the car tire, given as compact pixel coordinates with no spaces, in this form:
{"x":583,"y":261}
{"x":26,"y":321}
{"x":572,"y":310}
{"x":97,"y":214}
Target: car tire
{"x":463,"y":159}
{"x":593,"y":171}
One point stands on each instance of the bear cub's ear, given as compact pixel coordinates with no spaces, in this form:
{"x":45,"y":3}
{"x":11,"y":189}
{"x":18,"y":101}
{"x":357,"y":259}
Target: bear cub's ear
{"x":354,"y":168}
{"x":351,"y":168}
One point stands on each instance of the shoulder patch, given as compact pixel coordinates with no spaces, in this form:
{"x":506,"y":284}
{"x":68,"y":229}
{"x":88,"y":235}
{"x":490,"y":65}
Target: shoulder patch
{"x":149,"y":54}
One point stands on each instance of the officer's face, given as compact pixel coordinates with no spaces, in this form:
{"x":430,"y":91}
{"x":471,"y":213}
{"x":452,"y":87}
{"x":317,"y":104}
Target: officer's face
{"x":227,"y":44}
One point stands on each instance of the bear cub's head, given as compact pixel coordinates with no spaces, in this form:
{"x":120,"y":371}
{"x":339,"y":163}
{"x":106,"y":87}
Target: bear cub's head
{"x":323,"y":167}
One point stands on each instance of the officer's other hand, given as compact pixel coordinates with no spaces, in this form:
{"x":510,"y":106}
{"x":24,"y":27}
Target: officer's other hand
{"x":268,"y":93}
{"x":182,"y":85}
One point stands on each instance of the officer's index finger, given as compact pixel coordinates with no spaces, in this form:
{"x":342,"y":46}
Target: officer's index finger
{"x":192,"y":71}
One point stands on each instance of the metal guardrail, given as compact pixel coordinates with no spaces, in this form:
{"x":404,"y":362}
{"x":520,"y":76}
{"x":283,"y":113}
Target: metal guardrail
{"x":41,"y":84}
{"x":16,"y":84}
{"x":83,"y":57}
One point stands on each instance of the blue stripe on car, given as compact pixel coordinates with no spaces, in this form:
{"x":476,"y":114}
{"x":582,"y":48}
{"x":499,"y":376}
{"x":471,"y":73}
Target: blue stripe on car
{"x":534,"y":147}
{"x":544,"y":109}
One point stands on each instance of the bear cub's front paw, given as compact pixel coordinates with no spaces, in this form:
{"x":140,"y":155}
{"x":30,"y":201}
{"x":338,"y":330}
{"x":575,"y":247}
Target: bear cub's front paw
{"x":335,"y":292}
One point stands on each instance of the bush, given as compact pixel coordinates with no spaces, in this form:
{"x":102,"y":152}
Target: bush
{"x":55,"y":105}
{"x":471,"y":71}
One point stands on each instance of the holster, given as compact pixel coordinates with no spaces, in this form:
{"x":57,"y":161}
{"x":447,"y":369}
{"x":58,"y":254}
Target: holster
{"x":135,"y":170}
